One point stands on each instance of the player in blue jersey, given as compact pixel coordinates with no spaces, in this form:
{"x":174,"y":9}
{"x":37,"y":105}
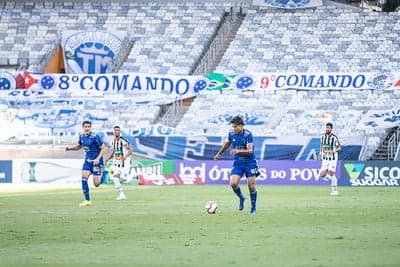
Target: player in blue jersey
{"x":244,"y":162}
{"x":94,"y":149}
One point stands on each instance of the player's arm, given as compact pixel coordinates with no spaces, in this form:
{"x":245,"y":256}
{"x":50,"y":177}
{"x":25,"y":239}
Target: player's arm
{"x":224,"y":147}
{"x":320,"y":150}
{"x":110,"y":156}
{"x":246,"y":151}
{"x":338,"y":146}
{"x":103,"y":150}
{"x":73,"y":148}
{"x":128,"y":151}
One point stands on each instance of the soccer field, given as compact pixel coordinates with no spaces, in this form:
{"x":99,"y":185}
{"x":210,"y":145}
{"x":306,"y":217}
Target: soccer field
{"x":167,"y":226}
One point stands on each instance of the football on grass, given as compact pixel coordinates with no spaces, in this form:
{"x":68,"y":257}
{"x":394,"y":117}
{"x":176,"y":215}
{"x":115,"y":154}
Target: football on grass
{"x":211,"y":207}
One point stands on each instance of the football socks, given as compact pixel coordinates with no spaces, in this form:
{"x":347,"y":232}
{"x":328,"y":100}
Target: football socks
{"x":85,"y":188}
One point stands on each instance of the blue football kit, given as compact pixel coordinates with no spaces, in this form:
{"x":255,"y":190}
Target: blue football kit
{"x":91,"y":144}
{"x":243,"y":164}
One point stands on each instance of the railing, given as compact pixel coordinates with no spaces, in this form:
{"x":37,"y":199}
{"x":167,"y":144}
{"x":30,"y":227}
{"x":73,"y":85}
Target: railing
{"x":217,"y":44}
{"x":363,"y":153}
{"x":393,"y":144}
{"x":397,"y":156}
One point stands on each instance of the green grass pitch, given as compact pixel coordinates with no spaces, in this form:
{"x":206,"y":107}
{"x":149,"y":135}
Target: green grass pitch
{"x":167,"y":226}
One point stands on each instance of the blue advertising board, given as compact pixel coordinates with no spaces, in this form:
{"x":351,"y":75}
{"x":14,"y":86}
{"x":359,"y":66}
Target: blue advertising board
{"x":5,"y":171}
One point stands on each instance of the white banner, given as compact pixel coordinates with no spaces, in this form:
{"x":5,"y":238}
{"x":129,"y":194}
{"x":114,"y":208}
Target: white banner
{"x":54,"y":171}
{"x":288,"y":4}
{"x":380,"y":119}
{"x":303,"y":81}
{"x":327,"y":81}
{"x":148,"y":87}
{"x":184,"y":86}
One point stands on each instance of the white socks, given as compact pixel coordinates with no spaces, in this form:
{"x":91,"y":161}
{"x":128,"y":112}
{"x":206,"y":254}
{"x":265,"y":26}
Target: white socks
{"x":333,"y":181}
{"x":118,"y":185}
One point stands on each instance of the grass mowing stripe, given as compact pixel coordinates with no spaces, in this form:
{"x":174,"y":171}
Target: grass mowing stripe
{"x":167,"y":226}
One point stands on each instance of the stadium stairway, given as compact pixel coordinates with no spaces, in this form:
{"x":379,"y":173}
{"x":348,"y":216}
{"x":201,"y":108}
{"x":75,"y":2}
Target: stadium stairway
{"x":388,"y":147}
{"x":225,"y":35}
{"x":211,"y":56}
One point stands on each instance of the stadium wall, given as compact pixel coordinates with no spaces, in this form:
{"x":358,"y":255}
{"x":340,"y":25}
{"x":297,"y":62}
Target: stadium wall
{"x":200,"y":172}
{"x":246,"y":2}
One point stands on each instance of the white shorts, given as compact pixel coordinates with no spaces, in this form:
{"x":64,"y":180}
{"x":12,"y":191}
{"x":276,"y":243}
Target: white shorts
{"x":329,"y":165}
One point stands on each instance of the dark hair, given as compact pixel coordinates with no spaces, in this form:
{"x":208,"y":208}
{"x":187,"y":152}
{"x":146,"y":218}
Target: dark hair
{"x":116,"y":127}
{"x":329,"y":124}
{"x":237,"y":120}
{"x":86,"y":122}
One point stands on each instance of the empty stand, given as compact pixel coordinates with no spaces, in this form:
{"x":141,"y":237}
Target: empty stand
{"x":166,"y":37}
{"x":327,"y":38}
{"x":170,"y":38}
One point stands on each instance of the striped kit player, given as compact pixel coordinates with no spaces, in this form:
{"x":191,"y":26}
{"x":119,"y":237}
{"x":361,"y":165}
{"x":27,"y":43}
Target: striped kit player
{"x":121,"y":157}
{"x":329,"y":153}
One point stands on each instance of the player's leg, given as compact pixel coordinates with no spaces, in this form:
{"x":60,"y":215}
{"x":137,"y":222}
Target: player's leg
{"x":125,"y":174}
{"x":97,"y":173}
{"x":331,"y":172}
{"x":118,"y":187}
{"x":236,"y":175}
{"x":116,"y":174}
{"x":324,"y":170}
{"x":104,"y":176}
{"x":251,"y":183}
{"x":251,"y":173}
{"x":85,"y":186}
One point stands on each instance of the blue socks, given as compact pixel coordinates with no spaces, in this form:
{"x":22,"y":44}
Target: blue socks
{"x":103,"y":176}
{"x":238,"y":192}
{"x":253,"y":199}
{"x":85,"y":189}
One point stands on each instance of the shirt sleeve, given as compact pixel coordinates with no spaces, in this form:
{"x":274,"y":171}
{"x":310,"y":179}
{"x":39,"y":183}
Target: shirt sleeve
{"x":337,"y":143}
{"x":98,"y":140}
{"x":249,"y":138}
{"x":230,"y":137}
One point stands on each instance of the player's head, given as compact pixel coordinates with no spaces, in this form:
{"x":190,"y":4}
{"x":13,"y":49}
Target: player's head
{"x":117,"y":131}
{"x":86,"y":127}
{"x":237,"y":124}
{"x":328,"y":128}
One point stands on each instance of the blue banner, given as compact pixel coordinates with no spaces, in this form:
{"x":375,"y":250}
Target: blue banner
{"x":5,"y":171}
{"x":205,"y":147}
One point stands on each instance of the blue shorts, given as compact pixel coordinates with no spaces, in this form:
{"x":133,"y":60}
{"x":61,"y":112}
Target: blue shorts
{"x":248,"y":168}
{"x":96,"y":170}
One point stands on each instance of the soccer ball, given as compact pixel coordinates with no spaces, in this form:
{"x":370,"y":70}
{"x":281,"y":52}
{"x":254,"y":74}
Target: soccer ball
{"x":211,"y":207}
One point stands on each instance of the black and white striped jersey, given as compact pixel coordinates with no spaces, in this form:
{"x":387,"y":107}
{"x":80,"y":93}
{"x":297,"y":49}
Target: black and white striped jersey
{"x":329,"y":143}
{"x":120,"y":148}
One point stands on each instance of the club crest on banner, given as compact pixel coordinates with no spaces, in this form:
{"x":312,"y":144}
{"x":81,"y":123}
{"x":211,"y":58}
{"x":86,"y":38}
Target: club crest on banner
{"x":7,"y":81}
{"x":91,"y":52}
{"x":381,"y":81}
{"x":244,"y":82}
{"x":200,"y":84}
{"x":288,"y":4}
